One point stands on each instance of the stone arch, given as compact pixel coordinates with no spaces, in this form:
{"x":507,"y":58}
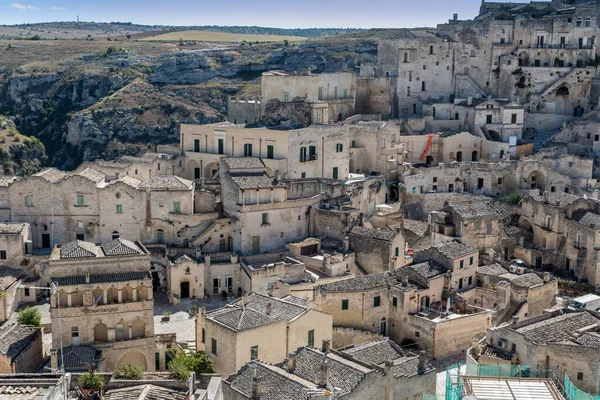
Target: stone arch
{"x":98,"y":296}
{"x":523,"y":59}
{"x":121,"y":331}
{"x":583,"y":59}
{"x":100,"y":333}
{"x":138,"y":329}
{"x":536,"y":180}
{"x":475,"y":155}
{"x":526,"y":225}
{"x":77,"y":298}
{"x":134,"y":358}
{"x":112,"y":295}
{"x":340,"y":117}
{"x":190,"y":168}
{"x":160,"y":236}
{"x":562,"y":91}
{"x":544,"y":58}
{"x":142,"y":292}
{"x":63,"y":298}
{"x":116,"y":235}
{"x":127,"y":294}
{"x":459,"y":156}
{"x":210,"y":169}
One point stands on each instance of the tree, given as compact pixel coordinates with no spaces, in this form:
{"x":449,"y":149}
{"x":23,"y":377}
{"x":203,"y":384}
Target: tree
{"x":128,"y":36}
{"x":29,"y":316}
{"x":130,"y":372}
{"x":183,"y":364}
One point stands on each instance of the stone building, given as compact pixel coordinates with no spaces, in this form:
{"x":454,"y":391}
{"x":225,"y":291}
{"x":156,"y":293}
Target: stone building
{"x":377,"y":250}
{"x":259,"y":327}
{"x":15,"y":243}
{"x":565,"y":339}
{"x":21,"y":349}
{"x":260,"y":273}
{"x":10,"y":279}
{"x":104,"y":300}
{"x":376,"y":370}
{"x":511,"y":295}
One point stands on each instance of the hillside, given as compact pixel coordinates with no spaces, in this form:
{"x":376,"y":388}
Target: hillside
{"x":19,"y":154}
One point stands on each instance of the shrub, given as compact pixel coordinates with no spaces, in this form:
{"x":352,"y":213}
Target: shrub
{"x":183,"y":364}
{"x":91,"y":381}
{"x":166,"y":313}
{"x":29,"y":316}
{"x":129,"y":372}
{"x":513,"y":199}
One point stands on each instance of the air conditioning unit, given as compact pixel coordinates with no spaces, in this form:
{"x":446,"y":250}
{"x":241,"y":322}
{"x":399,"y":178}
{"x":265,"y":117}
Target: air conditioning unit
{"x":520,"y":271}
{"x":513,"y":269}
{"x":422,"y":314}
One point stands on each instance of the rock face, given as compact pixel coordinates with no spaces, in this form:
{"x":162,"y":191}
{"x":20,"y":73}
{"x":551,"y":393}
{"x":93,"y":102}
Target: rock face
{"x":295,"y":114}
{"x":129,"y":101}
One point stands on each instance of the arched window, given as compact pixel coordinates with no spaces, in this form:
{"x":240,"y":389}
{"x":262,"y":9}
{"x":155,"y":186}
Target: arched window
{"x":63,"y":298}
{"x":142,"y":292}
{"x":112,"y":295}
{"x":548,"y":222}
{"x":115,"y":235}
{"x":100,"y":333}
{"x":588,"y":22}
{"x":120,"y":332}
{"x":127,"y":294}
{"x":76,"y":299}
{"x":98,"y":296}
{"x":138,"y":329}
{"x":579,"y":21}
{"x":160,"y":236}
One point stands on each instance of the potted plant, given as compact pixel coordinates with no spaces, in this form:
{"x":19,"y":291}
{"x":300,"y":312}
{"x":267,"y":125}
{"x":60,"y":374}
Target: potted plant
{"x":193,"y":310}
{"x":90,"y":382}
{"x":166,"y":316}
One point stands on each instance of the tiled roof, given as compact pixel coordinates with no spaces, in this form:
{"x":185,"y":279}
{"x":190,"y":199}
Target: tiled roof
{"x":92,"y":175}
{"x":11,"y":228}
{"x":589,"y":339}
{"x":455,"y":250}
{"x":342,"y":373}
{"x":526,"y":280}
{"x":167,"y":182}
{"x":145,"y":392}
{"x":8,"y":276}
{"x":375,"y":353}
{"x":103,"y":278}
{"x":557,"y":328}
{"x":358,"y":284}
{"x":476,"y":210}
{"x":120,"y":247}
{"x":276,"y":383}
{"x":239,"y":316}
{"x":493,"y":269}
{"x":559,"y":199}
{"x":26,"y":392}
{"x":589,"y":219}
{"x":6,"y":180}
{"x":14,"y":338}
{"x":79,"y":358}
{"x":244,"y":163}
{"x":428,"y":269}
{"x":419,"y":228}
{"x":255,"y":181}
{"x":301,"y":301}
{"x":78,"y":249}
{"x":52,"y":175}
{"x":381,"y":234}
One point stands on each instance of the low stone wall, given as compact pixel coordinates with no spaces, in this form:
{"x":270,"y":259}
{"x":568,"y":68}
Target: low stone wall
{"x":343,"y":337}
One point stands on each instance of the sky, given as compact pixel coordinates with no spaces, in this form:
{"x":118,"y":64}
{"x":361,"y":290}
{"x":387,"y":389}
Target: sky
{"x":271,"y":13}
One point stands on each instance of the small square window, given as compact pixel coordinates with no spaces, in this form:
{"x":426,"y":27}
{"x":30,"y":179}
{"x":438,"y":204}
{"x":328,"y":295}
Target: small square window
{"x":2,"y":254}
{"x":417,"y":334}
{"x":339,"y":148}
{"x":377,"y":301}
{"x":29,"y":201}
{"x":580,"y":376}
{"x":254,"y":353}
{"x":345,"y":305}
{"x":80,"y":200}
{"x":119,"y":208}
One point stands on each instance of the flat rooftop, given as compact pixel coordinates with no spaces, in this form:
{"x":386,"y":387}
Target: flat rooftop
{"x":511,"y":389}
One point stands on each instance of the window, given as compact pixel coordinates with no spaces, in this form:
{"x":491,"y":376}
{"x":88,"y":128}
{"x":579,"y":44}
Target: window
{"x":488,"y":119}
{"x":270,"y":152}
{"x":514,"y":348}
{"x":157,"y":361}
{"x":345,"y":305}
{"x":2,"y":254}
{"x":29,"y":201}
{"x":430,"y":49}
{"x":27,"y":292}
{"x":345,"y":93}
{"x":335,"y":172}
{"x":160,"y":236}
{"x":320,"y":93}
{"x":311,"y":338}
{"x":303,"y":175}
{"x":408,"y":91}
{"x":376,"y":301}
{"x":265,"y":218}
{"x":397,"y":251}
{"x":471,"y":260}
{"x":488,"y":229}
{"x":580,"y":376}
{"x":286,"y":97}
{"x":214,"y":346}
{"x":339,"y":148}
{"x":80,"y":200}
{"x":588,"y":22}
{"x":499,"y":181}
{"x":80,"y":236}
{"x":203,"y":335}
{"x":221,"y":146}
{"x":513,"y":118}
{"x":335,"y":93}
{"x":423,"y":86}
{"x":394,"y":301}
{"x":462,"y":264}
{"x":119,"y":208}
{"x":74,"y":332}
{"x":424,"y":67}
{"x":460,"y":283}
{"x":248,"y":150}
{"x":502,"y":40}
{"x":470,"y":281}
{"x":312,"y":153}
{"x":579,"y":21}
{"x":405,"y":58}
{"x":197,"y":145}
{"x":253,"y":353}
{"x":176,"y":207}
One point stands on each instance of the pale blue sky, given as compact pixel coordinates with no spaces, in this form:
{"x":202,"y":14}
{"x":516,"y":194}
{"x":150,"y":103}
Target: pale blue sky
{"x":274,"y":13}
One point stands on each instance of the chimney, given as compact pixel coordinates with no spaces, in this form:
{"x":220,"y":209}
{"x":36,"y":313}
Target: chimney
{"x":405,"y":280}
{"x":256,"y":387}
{"x":422,"y":362}
{"x":117,"y":175}
{"x":87,"y":278}
{"x":346,"y":244}
{"x":546,"y":277}
{"x":206,"y":260}
{"x":291,"y":363}
{"x":277,"y":175}
{"x":546,"y":197}
{"x":326,"y":346}
{"x":324,"y":372}
{"x":470,"y":100}
{"x":244,"y":298}
{"x":515,"y":319}
{"x":269,"y":308}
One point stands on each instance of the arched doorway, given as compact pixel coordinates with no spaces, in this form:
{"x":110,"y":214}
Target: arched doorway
{"x":134,"y":358}
{"x":160,"y":236}
{"x":192,"y":169}
{"x":184,"y":289}
{"x":578,"y":111}
{"x":562,"y":91}
{"x":475,"y":156}
{"x":100,"y":333}
{"x":425,"y":302}
{"x":536,"y":180}
{"x":77,"y":299}
{"x":340,"y":117}
{"x":211,"y":170}
{"x":383,"y":327}
{"x":523,"y":59}
{"x":112,"y":295}
{"x":459,"y":156}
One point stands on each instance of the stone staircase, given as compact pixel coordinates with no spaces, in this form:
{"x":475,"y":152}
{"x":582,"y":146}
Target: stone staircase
{"x":512,"y":309}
